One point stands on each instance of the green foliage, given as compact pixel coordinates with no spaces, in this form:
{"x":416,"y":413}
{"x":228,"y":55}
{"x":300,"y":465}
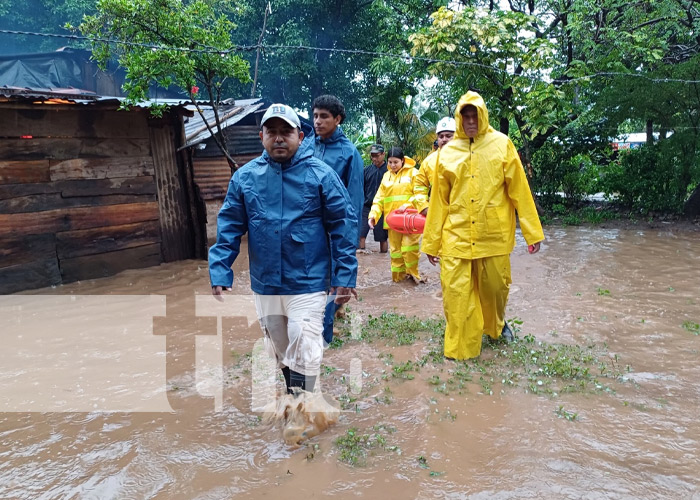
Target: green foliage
{"x":538,"y":367}
{"x":356,"y":447}
{"x":557,"y":172}
{"x":692,"y":327}
{"x":362,"y":142}
{"x":568,"y":415}
{"x":398,"y":329}
{"x":166,"y":27}
{"x":502,"y":58}
{"x":571,"y":220}
{"x":43,"y":16}
{"x":563,"y":77}
{"x":580,"y":178}
{"x":411,"y":129}
{"x":169,"y":42}
{"x":596,"y":215}
{"x":369,"y":85}
{"x":403,"y":370}
{"x":647,"y":179}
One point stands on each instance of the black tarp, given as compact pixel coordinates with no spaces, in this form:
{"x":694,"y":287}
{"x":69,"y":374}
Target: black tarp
{"x":62,"y":69}
{"x":69,"y":68}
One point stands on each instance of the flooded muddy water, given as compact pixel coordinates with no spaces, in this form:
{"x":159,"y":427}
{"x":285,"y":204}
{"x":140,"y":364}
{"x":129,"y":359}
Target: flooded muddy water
{"x":634,"y":292}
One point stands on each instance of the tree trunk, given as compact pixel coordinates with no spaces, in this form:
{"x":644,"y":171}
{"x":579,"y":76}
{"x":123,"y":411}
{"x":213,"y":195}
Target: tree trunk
{"x":378,"y":130}
{"x":650,"y":133}
{"x":504,"y":125}
{"x":692,"y":206}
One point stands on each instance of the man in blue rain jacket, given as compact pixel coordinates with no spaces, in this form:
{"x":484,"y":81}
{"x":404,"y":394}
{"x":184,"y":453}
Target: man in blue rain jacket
{"x":284,"y":200}
{"x":334,"y":148}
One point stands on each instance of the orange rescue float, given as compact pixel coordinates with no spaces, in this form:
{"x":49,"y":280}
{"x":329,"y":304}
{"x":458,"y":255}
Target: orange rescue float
{"x":408,"y":222}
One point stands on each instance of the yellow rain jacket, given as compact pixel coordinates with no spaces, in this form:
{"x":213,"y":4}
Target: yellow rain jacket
{"x":394,"y":191}
{"x":477,"y":187}
{"x":422,"y":181}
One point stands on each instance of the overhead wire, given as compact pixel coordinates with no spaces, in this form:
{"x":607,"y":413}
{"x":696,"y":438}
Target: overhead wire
{"x":409,"y":58}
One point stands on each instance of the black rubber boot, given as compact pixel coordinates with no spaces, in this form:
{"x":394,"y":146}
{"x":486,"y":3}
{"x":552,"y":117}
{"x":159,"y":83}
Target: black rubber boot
{"x":507,"y":333}
{"x":302,"y":381}
{"x":287,"y":379}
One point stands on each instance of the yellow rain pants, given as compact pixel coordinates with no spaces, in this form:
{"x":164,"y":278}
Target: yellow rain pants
{"x":404,"y":250}
{"x":475,"y":294}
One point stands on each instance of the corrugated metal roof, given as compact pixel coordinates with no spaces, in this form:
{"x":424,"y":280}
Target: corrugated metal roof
{"x":195,"y":129}
{"x":69,"y":94}
{"x":80,"y":96}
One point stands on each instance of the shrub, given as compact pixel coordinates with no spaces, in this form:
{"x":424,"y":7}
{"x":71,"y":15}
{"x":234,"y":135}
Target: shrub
{"x":646,"y":179}
{"x":559,"y":172}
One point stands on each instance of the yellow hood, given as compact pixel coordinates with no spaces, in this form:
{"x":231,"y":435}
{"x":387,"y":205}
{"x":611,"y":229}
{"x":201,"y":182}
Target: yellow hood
{"x":474,"y":99}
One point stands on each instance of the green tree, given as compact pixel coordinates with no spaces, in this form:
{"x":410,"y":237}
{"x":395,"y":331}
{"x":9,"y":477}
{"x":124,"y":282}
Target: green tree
{"x":169,"y":42}
{"x":412,"y":129}
{"x":41,"y":16}
{"x":346,"y":34}
{"x":500,"y":54}
{"x":649,"y":53}
{"x":574,"y":72}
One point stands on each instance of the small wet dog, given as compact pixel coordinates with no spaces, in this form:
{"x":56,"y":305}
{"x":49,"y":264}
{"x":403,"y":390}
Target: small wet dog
{"x":304,"y":414}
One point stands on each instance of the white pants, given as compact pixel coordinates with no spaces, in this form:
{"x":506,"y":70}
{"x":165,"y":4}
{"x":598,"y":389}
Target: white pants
{"x":293,"y":329}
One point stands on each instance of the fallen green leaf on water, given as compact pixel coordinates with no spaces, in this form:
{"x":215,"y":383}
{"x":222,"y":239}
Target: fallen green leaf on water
{"x":568,"y":415}
{"x":692,"y":327}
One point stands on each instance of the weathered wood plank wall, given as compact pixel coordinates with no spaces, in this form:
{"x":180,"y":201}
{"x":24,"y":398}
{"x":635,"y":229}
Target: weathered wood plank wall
{"x":172,"y":198}
{"x":78,"y":194}
{"x":211,"y":170}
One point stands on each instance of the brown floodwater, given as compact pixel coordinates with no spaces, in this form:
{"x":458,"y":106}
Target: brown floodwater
{"x":94,"y":407}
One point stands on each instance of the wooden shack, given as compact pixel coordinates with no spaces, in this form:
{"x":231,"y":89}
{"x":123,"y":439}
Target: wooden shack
{"x":88,"y":190}
{"x":241,"y":123}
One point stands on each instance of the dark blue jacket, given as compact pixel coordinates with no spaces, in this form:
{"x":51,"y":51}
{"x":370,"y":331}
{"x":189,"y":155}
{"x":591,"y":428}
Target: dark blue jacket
{"x":296,"y":215}
{"x":373,"y":176}
{"x":342,"y":156}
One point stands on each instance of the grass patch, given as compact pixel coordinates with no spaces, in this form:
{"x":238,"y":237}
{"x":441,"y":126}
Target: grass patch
{"x":588,"y":213}
{"x":356,"y":447}
{"x":597,"y":215}
{"x":535,"y":366}
{"x":398,"y":329}
{"x":336,"y":343}
{"x":571,"y":220}
{"x":548,"y":368}
{"x":528,"y":365}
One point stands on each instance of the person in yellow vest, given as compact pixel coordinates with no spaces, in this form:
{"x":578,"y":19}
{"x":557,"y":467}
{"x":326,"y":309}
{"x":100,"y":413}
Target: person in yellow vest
{"x":478,"y":186}
{"x":445,"y":131}
{"x":395,"y":190}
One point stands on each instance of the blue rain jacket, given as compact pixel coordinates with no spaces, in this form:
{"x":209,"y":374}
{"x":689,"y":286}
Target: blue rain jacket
{"x":342,"y":156}
{"x":297,"y":215}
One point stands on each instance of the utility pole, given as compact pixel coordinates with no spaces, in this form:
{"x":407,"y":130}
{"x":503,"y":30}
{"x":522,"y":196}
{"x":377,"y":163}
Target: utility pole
{"x":268,"y":10}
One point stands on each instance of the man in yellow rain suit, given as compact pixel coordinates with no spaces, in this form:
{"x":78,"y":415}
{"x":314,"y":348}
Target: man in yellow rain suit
{"x":478,"y":185}
{"x":395,"y":190}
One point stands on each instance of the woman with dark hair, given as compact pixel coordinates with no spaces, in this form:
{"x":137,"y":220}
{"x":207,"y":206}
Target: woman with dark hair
{"x":394,"y":191}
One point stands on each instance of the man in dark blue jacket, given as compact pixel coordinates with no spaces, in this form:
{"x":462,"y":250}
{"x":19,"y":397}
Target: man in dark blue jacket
{"x":334,"y":148}
{"x":373,"y":175}
{"x":284,"y":199}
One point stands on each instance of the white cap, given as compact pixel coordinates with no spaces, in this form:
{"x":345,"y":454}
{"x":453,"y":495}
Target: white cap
{"x":281,"y":111}
{"x":446,"y":124}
